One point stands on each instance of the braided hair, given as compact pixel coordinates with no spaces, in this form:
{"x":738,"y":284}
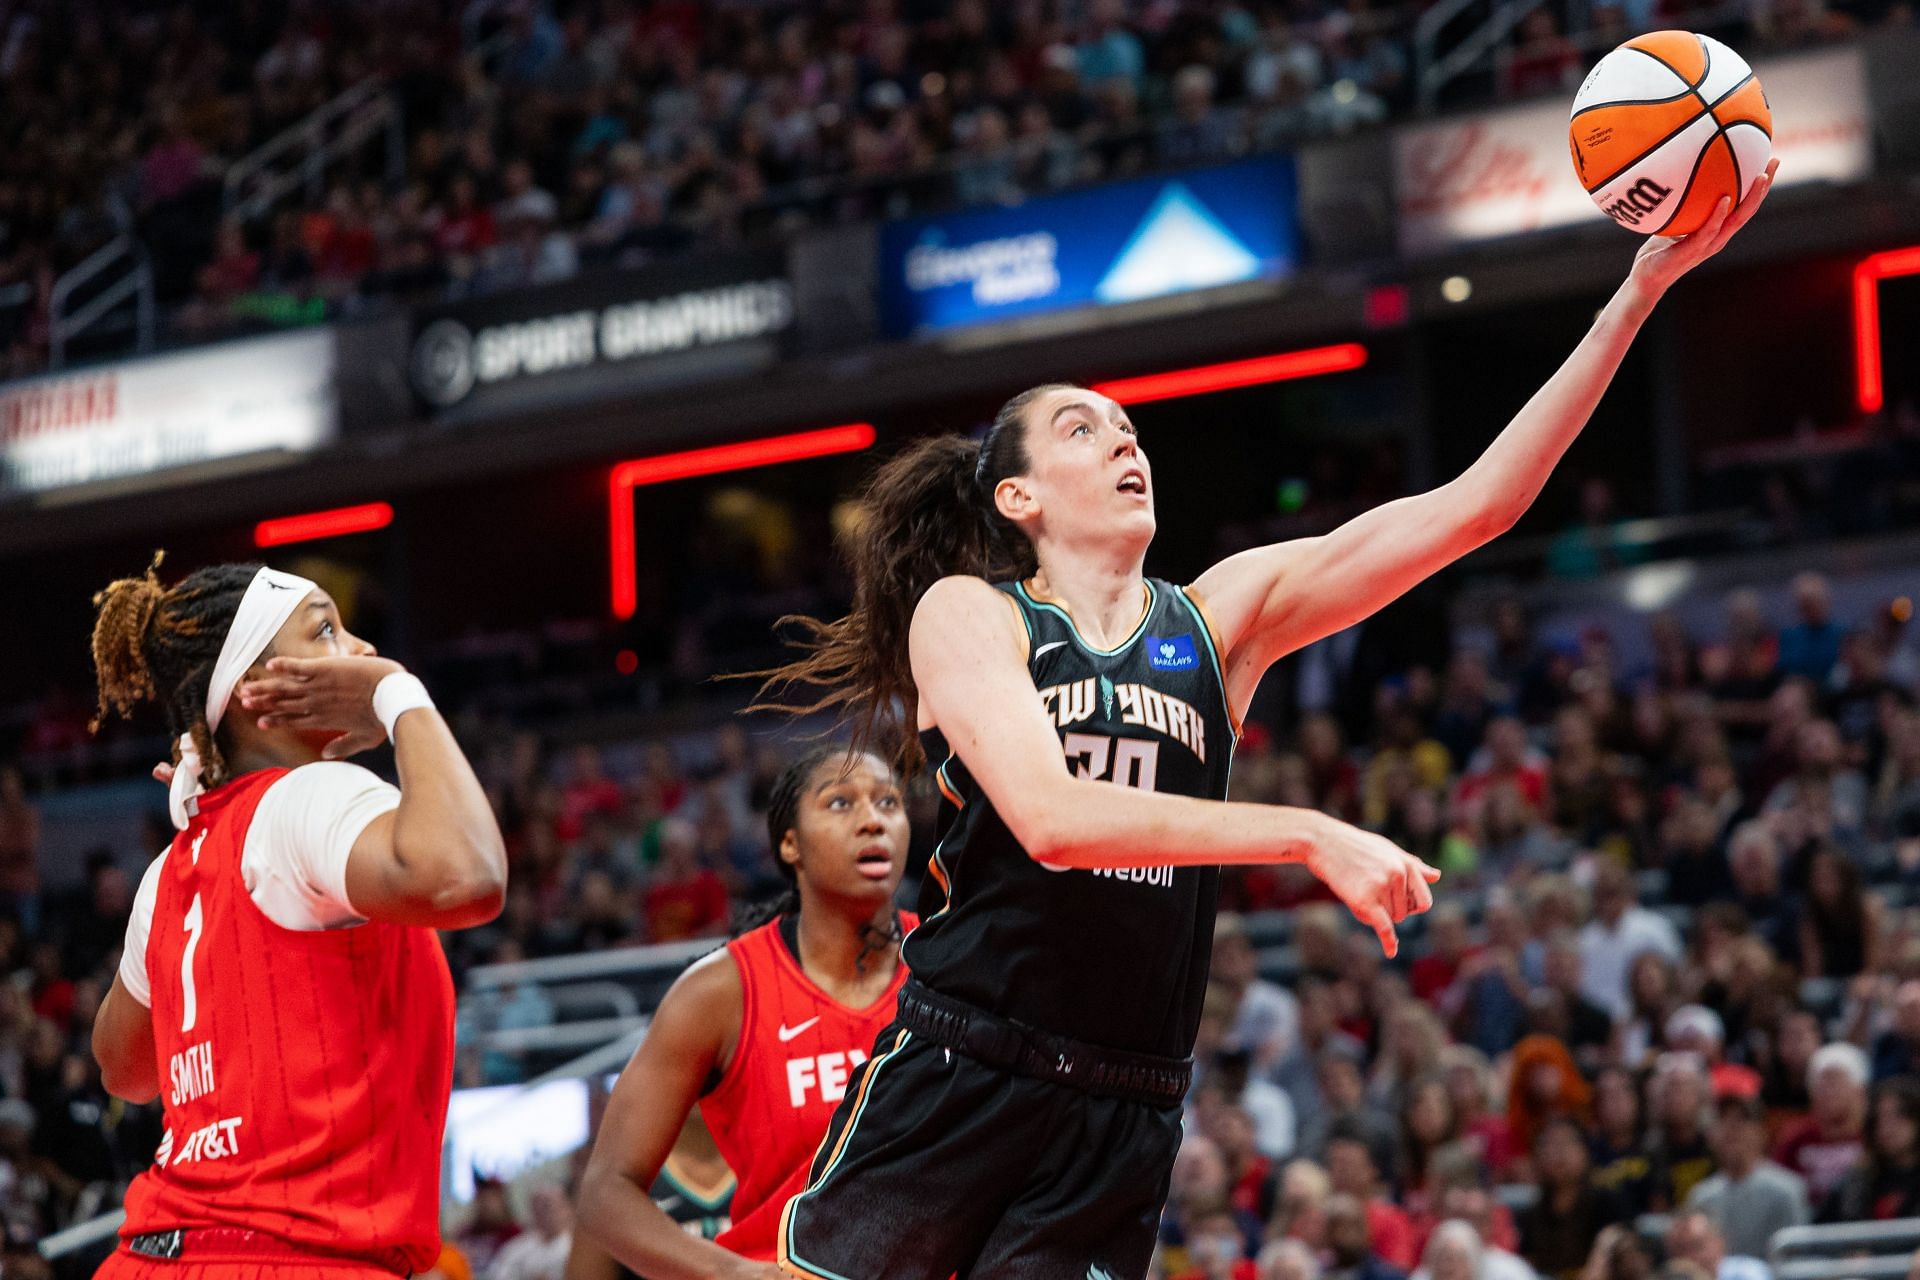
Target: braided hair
{"x":157,"y":644}
{"x":783,"y":811}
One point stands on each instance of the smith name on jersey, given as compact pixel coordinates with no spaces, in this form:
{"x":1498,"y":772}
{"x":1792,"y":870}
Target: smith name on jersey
{"x":1149,"y":713}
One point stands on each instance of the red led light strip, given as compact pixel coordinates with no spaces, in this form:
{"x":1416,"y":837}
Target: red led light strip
{"x":1235,"y":373}
{"x":1869,"y":386}
{"x":628,"y":476}
{"x":322,"y":524}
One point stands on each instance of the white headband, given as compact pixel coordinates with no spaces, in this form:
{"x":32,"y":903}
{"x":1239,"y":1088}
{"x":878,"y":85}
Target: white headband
{"x":270,"y":600}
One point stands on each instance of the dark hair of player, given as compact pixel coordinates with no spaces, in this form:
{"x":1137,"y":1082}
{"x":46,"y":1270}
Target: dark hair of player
{"x":928,"y":514}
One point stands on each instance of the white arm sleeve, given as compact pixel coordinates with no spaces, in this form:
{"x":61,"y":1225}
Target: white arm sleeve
{"x":133,"y":956}
{"x":295,"y":860}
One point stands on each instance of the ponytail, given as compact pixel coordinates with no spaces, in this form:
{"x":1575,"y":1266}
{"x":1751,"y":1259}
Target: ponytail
{"x":928,"y":513}
{"x":152,"y":643}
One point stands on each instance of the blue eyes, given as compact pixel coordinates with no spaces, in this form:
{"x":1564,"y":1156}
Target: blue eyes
{"x":326,"y":631}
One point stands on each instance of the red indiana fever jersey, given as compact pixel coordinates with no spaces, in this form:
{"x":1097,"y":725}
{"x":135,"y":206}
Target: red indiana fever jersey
{"x":798,"y":1047}
{"x":304,"y":1075}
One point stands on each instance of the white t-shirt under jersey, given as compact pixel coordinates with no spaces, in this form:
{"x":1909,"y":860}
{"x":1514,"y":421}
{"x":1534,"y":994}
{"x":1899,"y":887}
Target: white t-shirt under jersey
{"x":295,"y":859}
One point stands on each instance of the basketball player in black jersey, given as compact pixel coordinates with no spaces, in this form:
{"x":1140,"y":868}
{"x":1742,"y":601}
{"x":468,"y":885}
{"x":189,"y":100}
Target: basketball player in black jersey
{"x":1020,"y":1117}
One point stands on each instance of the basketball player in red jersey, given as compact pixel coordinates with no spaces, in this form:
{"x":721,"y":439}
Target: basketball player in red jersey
{"x":765,"y":1033}
{"x":282,"y":990}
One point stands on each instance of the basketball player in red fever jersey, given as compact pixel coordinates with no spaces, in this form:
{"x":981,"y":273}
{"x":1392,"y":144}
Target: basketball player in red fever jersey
{"x":765,"y":1033}
{"x":282,"y":990}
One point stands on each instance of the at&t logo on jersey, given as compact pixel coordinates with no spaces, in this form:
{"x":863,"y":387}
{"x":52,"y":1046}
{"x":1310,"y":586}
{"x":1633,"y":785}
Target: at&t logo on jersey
{"x":826,"y":1072}
{"x":1172,"y":653}
{"x":214,"y":1141}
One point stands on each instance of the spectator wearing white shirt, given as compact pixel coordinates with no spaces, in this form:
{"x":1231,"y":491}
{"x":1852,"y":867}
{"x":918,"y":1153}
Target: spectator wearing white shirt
{"x":539,"y":1253}
{"x":1266,"y":1020}
{"x":1620,"y":931}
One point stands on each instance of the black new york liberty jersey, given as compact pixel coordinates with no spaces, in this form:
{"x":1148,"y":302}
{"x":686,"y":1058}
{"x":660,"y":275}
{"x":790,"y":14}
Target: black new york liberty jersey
{"x":1113,"y":958}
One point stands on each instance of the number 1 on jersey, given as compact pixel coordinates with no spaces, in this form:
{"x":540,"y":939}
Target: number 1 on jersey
{"x":189,"y":1002}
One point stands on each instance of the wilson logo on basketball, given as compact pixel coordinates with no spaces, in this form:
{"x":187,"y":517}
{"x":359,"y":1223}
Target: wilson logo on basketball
{"x":1637,"y":201}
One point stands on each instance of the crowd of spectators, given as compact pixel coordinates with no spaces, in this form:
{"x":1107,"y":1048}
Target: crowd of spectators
{"x":1675,"y":968}
{"x":539,"y":137}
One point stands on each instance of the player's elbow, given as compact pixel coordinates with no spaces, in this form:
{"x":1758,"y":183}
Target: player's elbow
{"x":129,"y":1086}
{"x":451,"y":882}
{"x":121,"y":1074}
{"x":1495,"y":519}
{"x":1043,"y":830}
{"x":475,"y":896}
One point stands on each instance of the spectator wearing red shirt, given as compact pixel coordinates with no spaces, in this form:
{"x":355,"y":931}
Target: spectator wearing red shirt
{"x":1450,"y":946}
{"x":685,"y":899}
{"x":1354,"y":1248}
{"x":468,"y":226}
{"x":1885,"y":1184}
{"x":1354,"y":1167}
{"x":1332,"y":775}
{"x":1825,"y":1146}
{"x":1483,"y":1129}
{"x":1545,"y":60}
{"x":1233,"y":1132}
{"x":591,"y":793}
{"x":52,"y":991}
{"x":1504,"y":757}
{"x":1429,"y":1137}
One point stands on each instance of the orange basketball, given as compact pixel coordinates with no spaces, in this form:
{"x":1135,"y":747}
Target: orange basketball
{"x":1665,"y":126}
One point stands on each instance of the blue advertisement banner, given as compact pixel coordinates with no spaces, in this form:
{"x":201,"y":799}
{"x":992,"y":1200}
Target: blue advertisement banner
{"x":1123,"y":242}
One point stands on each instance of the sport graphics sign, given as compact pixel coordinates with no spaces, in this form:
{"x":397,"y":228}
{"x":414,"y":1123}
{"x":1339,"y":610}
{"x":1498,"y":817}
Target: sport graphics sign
{"x":532,"y":340}
{"x":1124,"y":242}
{"x":1500,"y":173}
{"x":254,"y":397}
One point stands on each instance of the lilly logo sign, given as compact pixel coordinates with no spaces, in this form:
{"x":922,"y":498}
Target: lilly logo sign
{"x":1122,"y":243}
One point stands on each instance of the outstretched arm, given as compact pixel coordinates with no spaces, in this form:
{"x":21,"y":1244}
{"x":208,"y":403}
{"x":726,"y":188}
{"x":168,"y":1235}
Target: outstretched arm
{"x":1273,"y":600}
{"x":969,"y":665}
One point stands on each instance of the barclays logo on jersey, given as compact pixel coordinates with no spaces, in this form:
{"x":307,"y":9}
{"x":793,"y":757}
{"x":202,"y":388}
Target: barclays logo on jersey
{"x":1174,"y":653}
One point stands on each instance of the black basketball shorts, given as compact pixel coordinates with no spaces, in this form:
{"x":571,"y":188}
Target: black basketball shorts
{"x":938,"y":1166}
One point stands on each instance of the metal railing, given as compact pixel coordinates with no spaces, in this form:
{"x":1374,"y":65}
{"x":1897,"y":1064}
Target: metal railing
{"x":1846,"y":1251}
{"x":91,"y":1234}
{"x":298,"y":158}
{"x":65,"y":321}
{"x":1433,"y":69}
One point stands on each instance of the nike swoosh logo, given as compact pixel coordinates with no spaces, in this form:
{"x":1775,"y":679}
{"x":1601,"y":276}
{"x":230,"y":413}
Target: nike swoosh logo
{"x":1049,"y":648}
{"x":788,"y":1033}
{"x":278,"y":586}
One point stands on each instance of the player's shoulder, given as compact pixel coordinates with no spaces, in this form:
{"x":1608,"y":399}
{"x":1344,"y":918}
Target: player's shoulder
{"x":324,"y":778}
{"x":708,"y":985}
{"x":969,"y":605}
{"x":960,"y":591}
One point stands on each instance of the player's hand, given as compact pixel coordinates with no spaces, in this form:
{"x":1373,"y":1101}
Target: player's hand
{"x":321,"y":695}
{"x":1380,"y":883}
{"x":1664,"y":259}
